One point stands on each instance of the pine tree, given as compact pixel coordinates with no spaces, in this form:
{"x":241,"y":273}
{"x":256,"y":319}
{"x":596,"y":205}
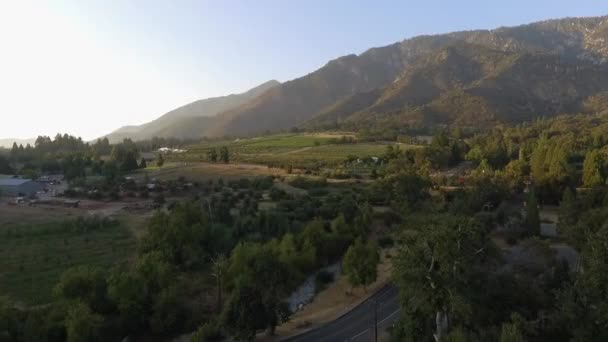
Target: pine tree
{"x":143,"y":164}
{"x":160,"y":161}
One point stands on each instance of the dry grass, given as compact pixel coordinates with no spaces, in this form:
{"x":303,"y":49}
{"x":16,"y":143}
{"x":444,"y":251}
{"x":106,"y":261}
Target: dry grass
{"x":23,"y":214}
{"x":331,"y":303}
{"x":201,"y":171}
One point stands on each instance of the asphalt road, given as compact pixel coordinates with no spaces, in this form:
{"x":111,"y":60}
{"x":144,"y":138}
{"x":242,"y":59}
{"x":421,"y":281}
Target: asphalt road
{"x":357,"y":325}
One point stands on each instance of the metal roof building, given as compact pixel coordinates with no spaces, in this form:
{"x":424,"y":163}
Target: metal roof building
{"x":16,"y":186}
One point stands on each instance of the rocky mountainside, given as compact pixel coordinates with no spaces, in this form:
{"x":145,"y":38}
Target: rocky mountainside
{"x":189,"y":121}
{"x":480,"y":77}
{"x":438,"y":69}
{"x":473,"y":85}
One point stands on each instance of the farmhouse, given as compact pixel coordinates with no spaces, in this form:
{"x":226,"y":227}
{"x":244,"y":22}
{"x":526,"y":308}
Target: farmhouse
{"x":16,"y":186}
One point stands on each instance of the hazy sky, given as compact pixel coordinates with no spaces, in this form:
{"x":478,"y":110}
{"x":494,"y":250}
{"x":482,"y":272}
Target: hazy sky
{"x":88,"y":67}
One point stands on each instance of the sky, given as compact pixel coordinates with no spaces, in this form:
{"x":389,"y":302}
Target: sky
{"x":88,"y":67}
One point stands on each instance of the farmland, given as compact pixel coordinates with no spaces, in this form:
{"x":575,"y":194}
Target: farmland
{"x":34,"y":254}
{"x":298,"y":150}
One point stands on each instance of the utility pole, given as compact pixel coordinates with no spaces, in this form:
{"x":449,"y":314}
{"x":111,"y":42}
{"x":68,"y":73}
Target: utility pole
{"x":375,"y":320}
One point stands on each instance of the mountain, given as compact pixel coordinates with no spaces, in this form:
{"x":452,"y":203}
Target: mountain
{"x":397,"y":76}
{"x":473,"y":85}
{"x":477,"y":78}
{"x":191,"y":120}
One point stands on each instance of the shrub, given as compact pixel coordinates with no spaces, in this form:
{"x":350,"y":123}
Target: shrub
{"x":385,"y":242}
{"x":322,"y":279}
{"x":209,"y":331}
{"x":308,"y":183}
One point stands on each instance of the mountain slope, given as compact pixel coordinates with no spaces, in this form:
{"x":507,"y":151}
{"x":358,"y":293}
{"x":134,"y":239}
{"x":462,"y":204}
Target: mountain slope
{"x":582,"y":40}
{"x":191,"y":120}
{"x":472,"y":85}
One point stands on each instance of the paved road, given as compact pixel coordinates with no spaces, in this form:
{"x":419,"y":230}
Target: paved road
{"x":357,"y":325}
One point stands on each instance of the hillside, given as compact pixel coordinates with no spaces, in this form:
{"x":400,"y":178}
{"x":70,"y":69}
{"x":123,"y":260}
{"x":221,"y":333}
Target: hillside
{"x":480,"y":77}
{"x":349,"y":84}
{"x":191,"y":120}
{"x":473,"y":85}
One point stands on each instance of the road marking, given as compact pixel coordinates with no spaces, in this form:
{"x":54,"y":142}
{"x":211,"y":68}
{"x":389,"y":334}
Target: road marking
{"x":389,"y":316}
{"x":382,"y":321}
{"x":359,"y":334}
{"x":387,"y":290}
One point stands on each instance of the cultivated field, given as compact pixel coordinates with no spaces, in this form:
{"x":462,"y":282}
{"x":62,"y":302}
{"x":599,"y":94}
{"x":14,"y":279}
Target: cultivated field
{"x":298,"y":150}
{"x":38,"y":244}
{"x":202,"y":171}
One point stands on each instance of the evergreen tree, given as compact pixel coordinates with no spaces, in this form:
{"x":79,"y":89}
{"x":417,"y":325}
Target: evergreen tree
{"x":567,"y":209}
{"x":160,"y":161}
{"x":224,"y":155}
{"x":143,"y":164}
{"x":212,"y":155}
{"x":593,"y":174}
{"x":532,"y":214}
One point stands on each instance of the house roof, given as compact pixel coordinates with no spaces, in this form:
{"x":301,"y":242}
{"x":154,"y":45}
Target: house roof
{"x":13,"y":181}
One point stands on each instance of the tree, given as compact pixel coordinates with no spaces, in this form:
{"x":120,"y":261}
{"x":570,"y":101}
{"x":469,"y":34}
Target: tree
{"x":360,"y":263}
{"x":515,"y":173}
{"x":568,"y":213}
{"x":244,"y":313}
{"x":440,"y":272}
{"x":127,"y":290}
{"x":260,"y":281}
{"x":5,"y":167}
{"x":166,"y":310}
{"x":143,"y":164}
{"x":582,"y":305}
{"x":130,"y":162}
{"x":510,"y":333}
{"x":82,"y":325}
{"x":85,"y":284}
{"x":593,"y":174}
{"x":224,"y":155}
{"x":532,"y":214}
{"x":212,"y":155}
{"x":219,"y":267}
{"x":160,"y":161}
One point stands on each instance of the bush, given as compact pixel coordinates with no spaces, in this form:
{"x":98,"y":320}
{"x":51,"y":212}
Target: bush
{"x":209,"y":331}
{"x":159,"y":200}
{"x":308,"y":183}
{"x":385,"y":242}
{"x":318,"y":192}
{"x":114,"y":195}
{"x":277,"y":194}
{"x":322,"y":279}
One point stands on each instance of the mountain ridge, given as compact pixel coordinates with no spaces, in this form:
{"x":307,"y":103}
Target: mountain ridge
{"x":190,"y":120}
{"x":418,"y":79}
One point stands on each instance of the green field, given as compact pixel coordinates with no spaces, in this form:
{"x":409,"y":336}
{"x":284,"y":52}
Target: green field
{"x":33,"y":256}
{"x":289,"y":149}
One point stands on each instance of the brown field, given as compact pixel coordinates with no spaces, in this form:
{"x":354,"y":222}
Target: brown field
{"x":201,"y":171}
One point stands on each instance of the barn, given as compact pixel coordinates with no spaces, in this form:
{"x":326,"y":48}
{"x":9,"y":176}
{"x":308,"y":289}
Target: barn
{"x":19,"y":186}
